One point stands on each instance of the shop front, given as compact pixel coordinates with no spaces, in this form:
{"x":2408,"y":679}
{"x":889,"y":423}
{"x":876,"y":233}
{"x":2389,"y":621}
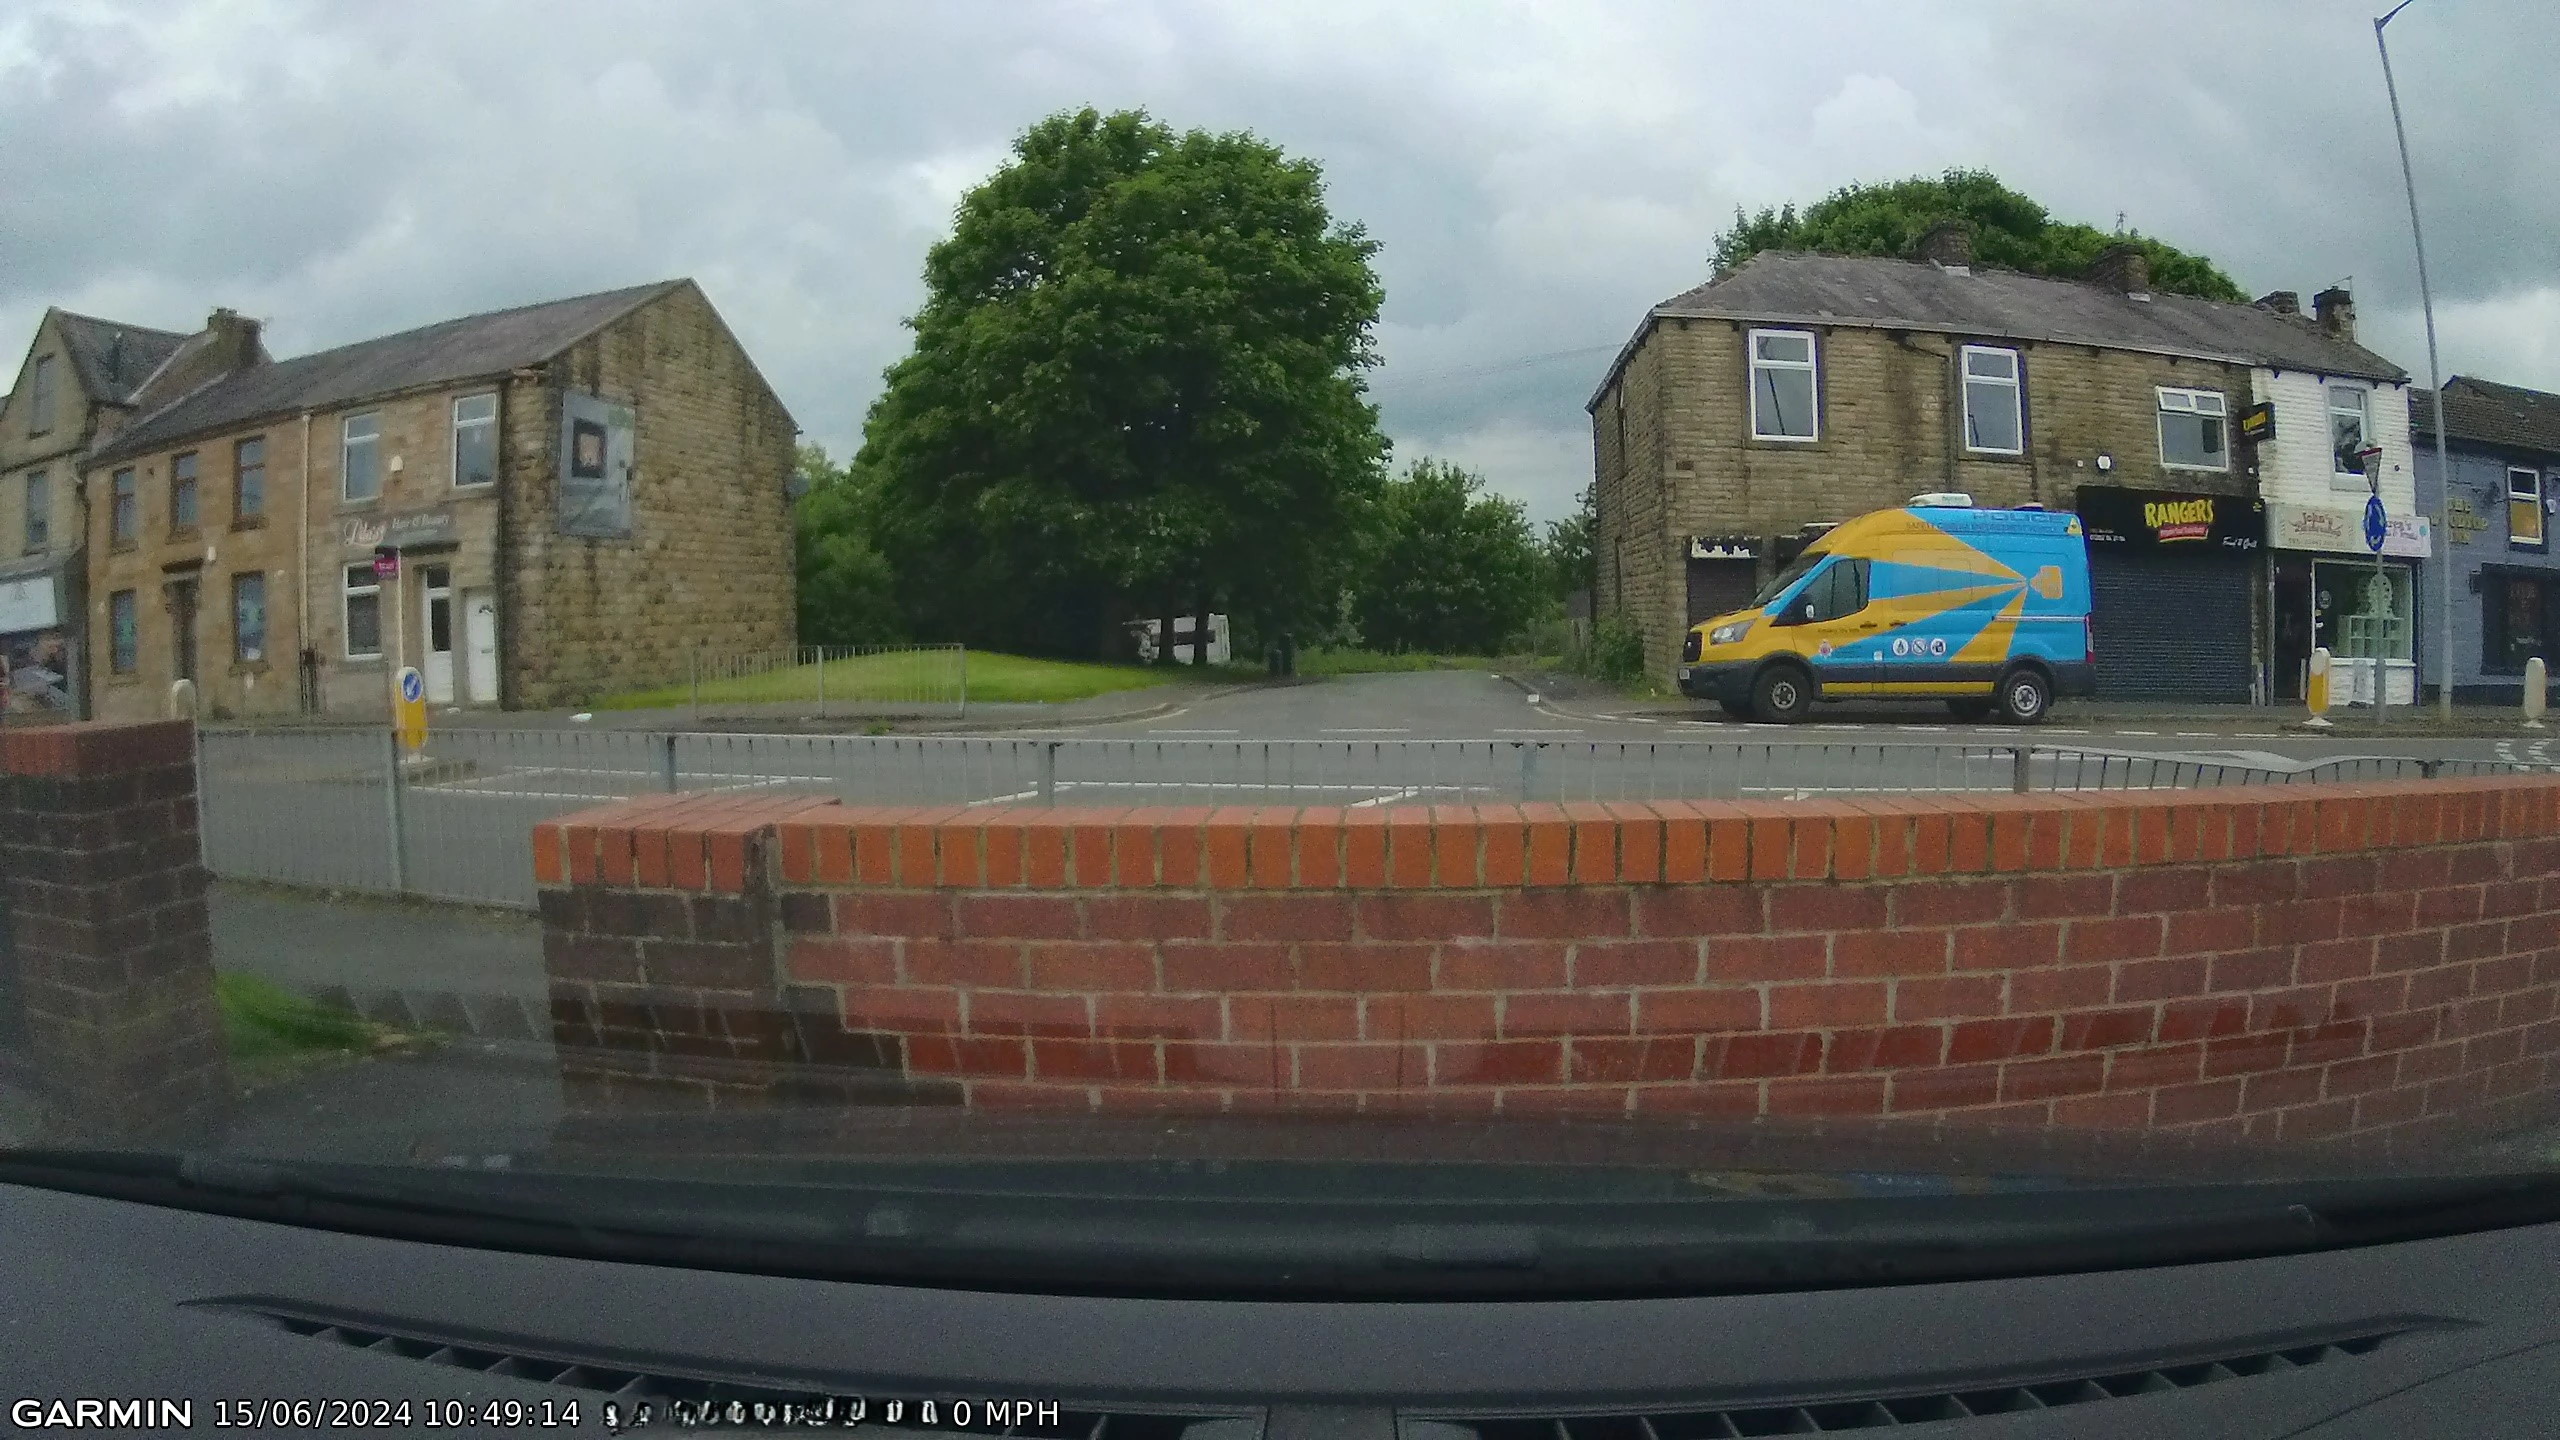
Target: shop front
{"x":2328,"y":590}
{"x":40,"y":676}
{"x":2173,"y":592}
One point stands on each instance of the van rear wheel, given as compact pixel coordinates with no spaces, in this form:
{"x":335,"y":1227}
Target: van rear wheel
{"x":2025,"y":695}
{"x":1782,"y":694}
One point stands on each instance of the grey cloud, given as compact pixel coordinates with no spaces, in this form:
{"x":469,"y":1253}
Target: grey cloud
{"x":1538,"y":174}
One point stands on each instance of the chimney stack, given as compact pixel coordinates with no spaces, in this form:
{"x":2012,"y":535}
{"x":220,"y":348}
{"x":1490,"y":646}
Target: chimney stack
{"x":2123,"y":269}
{"x":232,"y":340}
{"x":1948,"y":245}
{"x":2281,"y":302}
{"x":2336,"y":310}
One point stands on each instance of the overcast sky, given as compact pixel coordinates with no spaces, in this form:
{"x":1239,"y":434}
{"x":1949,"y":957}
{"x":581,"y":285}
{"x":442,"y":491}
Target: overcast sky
{"x":1538,"y":174}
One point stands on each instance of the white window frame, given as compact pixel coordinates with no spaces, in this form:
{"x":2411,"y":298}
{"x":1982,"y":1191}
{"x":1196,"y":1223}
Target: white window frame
{"x":2347,"y":479}
{"x":2541,"y":513}
{"x":349,"y":590}
{"x":347,"y":441}
{"x":2172,"y":400}
{"x":489,"y":422}
{"x":1811,"y":365}
{"x":2016,"y":385}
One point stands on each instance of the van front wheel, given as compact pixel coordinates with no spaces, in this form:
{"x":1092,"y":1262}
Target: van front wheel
{"x":2025,"y":696}
{"x":1782,"y":694}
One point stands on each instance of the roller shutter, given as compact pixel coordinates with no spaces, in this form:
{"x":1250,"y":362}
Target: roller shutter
{"x":2170,"y":627}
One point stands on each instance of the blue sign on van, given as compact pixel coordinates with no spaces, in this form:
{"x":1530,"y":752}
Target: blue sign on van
{"x":2377,"y":526}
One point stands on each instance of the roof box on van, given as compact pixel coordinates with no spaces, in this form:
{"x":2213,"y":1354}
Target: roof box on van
{"x":1942,"y":500}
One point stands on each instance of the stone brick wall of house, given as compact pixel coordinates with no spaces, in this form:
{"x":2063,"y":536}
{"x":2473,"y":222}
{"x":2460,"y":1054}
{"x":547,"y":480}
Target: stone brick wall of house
{"x":106,"y":969}
{"x":1886,"y":403}
{"x":2379,"y":961}
{"x":709,"y":563}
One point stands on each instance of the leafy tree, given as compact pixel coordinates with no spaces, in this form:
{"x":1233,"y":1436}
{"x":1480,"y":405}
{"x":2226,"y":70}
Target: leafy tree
{"x":1570,"y":561}
{"x":1135,"y":391}
{"x":1449,"y":569}
{"x":2009,"y":230}
{"x":847,"y":594}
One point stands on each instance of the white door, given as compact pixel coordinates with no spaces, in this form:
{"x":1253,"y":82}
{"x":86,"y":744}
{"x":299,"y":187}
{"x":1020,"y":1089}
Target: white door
{"x":439,"y":666}
{"x":480,"y":637}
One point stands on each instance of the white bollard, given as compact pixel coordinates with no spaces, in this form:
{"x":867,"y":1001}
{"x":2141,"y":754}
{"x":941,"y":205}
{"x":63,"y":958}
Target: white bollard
{"x":2315,"y":690}
{"x":182,"y":699}
{"x":2536,"y":692}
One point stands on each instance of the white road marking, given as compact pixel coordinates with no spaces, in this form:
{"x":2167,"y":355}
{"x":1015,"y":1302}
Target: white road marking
{"x":1192,"y":732}
{"x":2539,"y":750}
{"x":2152,"y":733}
{"x":2191,"y":734}
{"x":1368,"y":730}
{"x":2507,"y":751}
{"x":1556,"y":730}
{"x":1405,"y":794}
{"x":2256,"y":735}
{"x":2058,"y":730}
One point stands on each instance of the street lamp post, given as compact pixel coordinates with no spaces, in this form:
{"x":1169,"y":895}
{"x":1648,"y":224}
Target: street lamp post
{"x":2435,"y":387}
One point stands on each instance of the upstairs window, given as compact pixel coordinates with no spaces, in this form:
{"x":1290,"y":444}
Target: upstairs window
{"x":40,"y":396}
{"x":39,"y":511}
{"x":124,"y":514}
{"x":1994,"y":410}
{"x":2347,"y":432}
{"x":2192,"y":434}
{"x":182,"y":492}
{"x":2524,"y":508}
{"x":249,"y":479}
{"x":1783,"y":386}
{"x":475,"y":440}
{"x":360,"y":458}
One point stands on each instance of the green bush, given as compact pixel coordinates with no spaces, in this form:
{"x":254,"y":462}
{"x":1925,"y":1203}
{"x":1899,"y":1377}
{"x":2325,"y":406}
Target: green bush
{"x":1615,"y":655}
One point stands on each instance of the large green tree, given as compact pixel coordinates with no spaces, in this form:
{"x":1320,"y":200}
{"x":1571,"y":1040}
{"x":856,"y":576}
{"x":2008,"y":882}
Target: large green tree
{"x":2008,"y":230}
{"x":847,"y":593}
{"x":1570,"y":562}
{"x":1135,"y":390}
{"x":1448,"y":568}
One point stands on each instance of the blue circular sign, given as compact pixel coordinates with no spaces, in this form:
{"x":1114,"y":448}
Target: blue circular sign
{"x":410,"y":686}
{"x":2377,"y":526}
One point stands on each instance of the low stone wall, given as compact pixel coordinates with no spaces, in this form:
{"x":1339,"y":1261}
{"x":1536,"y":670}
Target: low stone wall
{"x":2293,"y":963}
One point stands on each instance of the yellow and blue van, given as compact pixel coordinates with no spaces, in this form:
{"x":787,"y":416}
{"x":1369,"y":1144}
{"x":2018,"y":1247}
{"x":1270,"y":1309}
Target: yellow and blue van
{"x":1987,"y":610}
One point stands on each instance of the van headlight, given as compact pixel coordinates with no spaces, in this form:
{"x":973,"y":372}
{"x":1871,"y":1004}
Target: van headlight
{"x":1726,"y":634}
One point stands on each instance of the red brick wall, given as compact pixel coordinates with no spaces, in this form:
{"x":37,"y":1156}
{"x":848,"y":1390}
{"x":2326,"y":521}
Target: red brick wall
{"x":2294,"y":964}
{"x":106,"y":962}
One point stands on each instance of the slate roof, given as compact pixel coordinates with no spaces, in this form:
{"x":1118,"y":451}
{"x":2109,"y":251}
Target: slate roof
{"x":113,"y":358}
{"x":2487,"y":413}
{"x":1795,"y":287}
{"x":449,"y":351}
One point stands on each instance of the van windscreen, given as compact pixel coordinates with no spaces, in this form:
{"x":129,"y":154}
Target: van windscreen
{"x":1803,"y":565}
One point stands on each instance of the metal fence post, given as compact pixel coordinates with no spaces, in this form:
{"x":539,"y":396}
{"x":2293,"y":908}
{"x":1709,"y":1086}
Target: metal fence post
{"x":1049,"y":772}
{"x":693,"y":682}
{"x":964,"y":682}
{"x":1528,"y":770}
{"x":822,"y":682}
{"x":667,"y":760}
{"x":399,"y":831}
{"x":2018,"y":756}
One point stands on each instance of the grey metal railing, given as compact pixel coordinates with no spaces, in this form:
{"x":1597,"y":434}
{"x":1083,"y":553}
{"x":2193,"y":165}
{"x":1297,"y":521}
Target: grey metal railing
{"x":838,"y":679}
{"x":340,"y":809}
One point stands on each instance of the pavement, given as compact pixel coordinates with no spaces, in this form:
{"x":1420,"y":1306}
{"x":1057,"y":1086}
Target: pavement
{"x":799,"y":715}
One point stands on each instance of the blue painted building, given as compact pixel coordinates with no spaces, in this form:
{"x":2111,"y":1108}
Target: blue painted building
{"x":2503,"y":446}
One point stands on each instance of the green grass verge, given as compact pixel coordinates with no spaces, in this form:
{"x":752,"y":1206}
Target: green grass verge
{"x":1378,"y":662}
{"x":274,"y":1034}
{"x":907,"y":678}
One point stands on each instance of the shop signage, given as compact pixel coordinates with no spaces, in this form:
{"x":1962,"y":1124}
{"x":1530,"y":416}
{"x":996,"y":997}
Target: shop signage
{"x":2172,"y":520}
{"x":2464,"y":521}
{"x":1723,"y":547}
{"x":2337,"y":531}
{"x":27,"y":604}
{"x":414,"y":530}
{"x":2258,"y":423}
